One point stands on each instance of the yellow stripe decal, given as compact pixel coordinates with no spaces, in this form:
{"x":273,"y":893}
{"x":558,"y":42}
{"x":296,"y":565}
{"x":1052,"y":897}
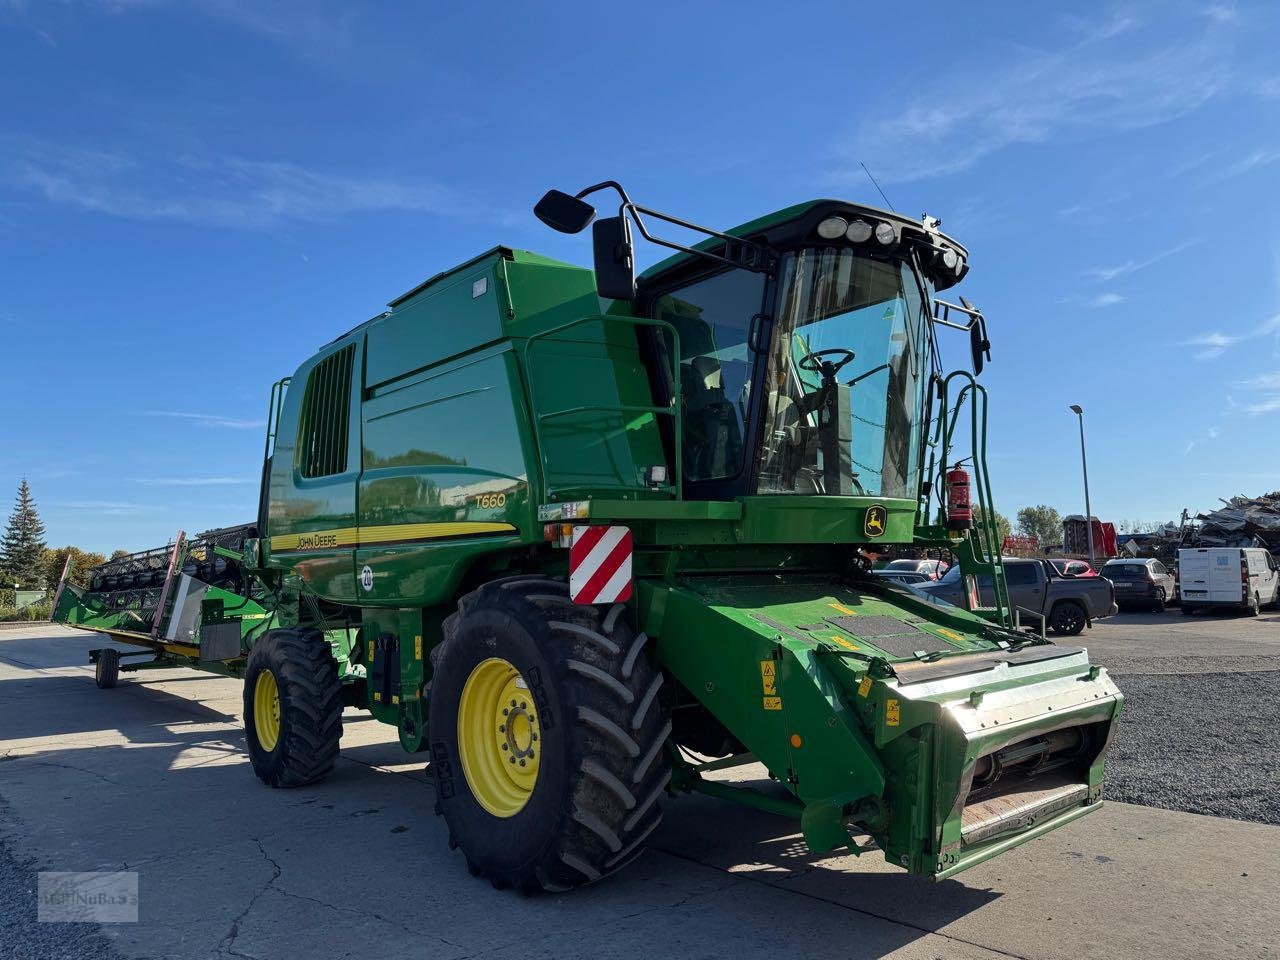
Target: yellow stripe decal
{"x":394,"y":533}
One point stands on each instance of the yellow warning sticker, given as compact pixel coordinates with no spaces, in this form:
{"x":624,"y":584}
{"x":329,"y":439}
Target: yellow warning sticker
{"x":371,"y":651}
{"x":842,"y":608}
{"x":891,"y":715}
{"x":377,"y":696}
{"x":865,"y":686}
{"x":773,"y":703}
{"x":768,"y":678}
{"x":417,"y":648}
{"x":847,"y":644}
{"x":950,"y":634}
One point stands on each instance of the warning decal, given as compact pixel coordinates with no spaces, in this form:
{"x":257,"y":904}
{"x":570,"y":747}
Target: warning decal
{"x":865,"y":686}
{"x":891,"y":716}
{"x":769,"y":685}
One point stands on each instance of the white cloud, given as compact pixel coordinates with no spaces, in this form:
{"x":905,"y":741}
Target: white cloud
{"x":223,"y":191}
{"x":1113,"y":272}
{"x":1263,"y":381}
{"x":1106,"y":300}
{"x":1221,"y":12}
{"x":210,"y":419}
{"x":1269,"y":405}
{"x":1085,"y":88}
{"x":1254,"y":160}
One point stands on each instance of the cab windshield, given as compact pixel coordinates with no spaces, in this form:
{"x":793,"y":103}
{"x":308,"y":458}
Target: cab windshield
{"x":846,"y":378}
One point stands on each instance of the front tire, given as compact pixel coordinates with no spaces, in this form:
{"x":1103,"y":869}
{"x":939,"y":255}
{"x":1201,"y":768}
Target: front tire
{"x":546,"y":736}
{"x":1068,"y":618}
{"x":106,"y":672}
{"x":292,"y":707}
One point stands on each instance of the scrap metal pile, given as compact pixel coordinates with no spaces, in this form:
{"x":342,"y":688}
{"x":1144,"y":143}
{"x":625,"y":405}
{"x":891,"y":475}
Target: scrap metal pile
{"x":1242,"y":522}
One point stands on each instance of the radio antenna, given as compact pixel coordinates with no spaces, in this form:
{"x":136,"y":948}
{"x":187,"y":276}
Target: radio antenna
{"x":876,"y":185}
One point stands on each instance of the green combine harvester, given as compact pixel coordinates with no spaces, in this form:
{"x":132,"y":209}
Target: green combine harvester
{"x":584,"y":539}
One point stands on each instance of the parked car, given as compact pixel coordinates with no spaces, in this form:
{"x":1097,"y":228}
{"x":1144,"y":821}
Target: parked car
{"x":902,"y":576}
{"x":1073,"y":568}
{"x":932,"y":569}
{"x":1142,"y":583}
{"x":1244,"y":577}
{"x":1069,"y":604}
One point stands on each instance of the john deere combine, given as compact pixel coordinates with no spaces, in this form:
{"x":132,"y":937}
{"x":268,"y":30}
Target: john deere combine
{"x":583,"y":539}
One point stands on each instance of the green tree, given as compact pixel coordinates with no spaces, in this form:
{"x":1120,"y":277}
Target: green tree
{"x":1003,"y":526}
{"x":1043,"y":523}
{"x":81,"y":562}
{"x":22,"y":548}
{"x":118,"y":553}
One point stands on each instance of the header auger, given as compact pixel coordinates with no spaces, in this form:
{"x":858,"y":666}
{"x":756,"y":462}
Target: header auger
{"x":583,"y":537}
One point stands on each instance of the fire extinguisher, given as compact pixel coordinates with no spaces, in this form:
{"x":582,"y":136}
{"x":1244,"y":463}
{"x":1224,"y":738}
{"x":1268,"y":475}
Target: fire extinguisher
{"x":959,"y":512}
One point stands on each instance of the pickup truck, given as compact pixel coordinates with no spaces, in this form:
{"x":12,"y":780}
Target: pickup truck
{"x":1068,"y":603}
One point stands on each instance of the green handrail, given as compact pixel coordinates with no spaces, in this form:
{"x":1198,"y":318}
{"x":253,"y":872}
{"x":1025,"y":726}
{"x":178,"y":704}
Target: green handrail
{"x":984,"y":546}
{"x":671,"y":410}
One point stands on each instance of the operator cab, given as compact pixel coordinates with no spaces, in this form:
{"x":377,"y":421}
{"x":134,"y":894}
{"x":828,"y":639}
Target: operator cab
{"x":808,"y":379}
{"x":803,"y":349}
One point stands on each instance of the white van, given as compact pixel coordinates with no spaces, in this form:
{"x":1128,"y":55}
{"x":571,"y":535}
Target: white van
{"x":1244,"y":577}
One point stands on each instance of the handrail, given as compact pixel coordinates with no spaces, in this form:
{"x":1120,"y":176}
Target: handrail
{"x":986,"y":550}
{"x":672,"y":409}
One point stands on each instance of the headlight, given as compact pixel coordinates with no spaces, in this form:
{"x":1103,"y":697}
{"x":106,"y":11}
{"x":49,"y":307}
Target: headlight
{"x":950,"y":258}
{"x":859,"y":231}
{"x":832,"y":228}
{"x":885,"y":234}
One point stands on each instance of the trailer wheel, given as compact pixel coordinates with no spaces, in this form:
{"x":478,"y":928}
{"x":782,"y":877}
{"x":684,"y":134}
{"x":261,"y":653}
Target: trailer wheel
{"x":1068,"y":618}
{"x":106,"y":672}
{"x":546,"y":736}
{"x":292,"y":707}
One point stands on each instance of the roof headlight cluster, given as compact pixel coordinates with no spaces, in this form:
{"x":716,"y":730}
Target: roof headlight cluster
{"x":886,"y":235}
{"x":832,"y":228}
{"x":859,"y":231}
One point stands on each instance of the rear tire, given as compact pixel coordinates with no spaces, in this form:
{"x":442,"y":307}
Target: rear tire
{"x":1255,"y":605}
{"x":1068,"y":618}
{"x":1158,"y":605}
{"x":1187,"y":610}
{"x":592,"y":698}
{"x":106,"y":671}
{"x":292,"y":736}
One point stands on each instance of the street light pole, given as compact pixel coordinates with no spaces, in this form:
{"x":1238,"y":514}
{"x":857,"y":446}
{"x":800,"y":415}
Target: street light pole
{"x":1084,"y":463}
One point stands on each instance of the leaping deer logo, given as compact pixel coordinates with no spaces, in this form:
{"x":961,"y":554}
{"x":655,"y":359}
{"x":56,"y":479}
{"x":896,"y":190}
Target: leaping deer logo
{"x":873,"y":526}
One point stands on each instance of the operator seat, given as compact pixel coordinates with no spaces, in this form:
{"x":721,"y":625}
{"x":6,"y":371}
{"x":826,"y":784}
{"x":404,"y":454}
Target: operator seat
{"x":711,"y":424}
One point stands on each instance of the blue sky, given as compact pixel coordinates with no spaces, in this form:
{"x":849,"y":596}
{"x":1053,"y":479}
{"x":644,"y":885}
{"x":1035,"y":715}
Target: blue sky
{"x":195,"y":195}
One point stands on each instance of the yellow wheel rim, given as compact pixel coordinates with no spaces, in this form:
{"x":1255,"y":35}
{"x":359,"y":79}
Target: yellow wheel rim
{"x":266,"y":710}
{"x":498,"y":737}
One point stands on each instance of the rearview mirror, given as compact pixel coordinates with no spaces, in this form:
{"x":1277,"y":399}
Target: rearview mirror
{"x":559,"y":211}
{"x":614,"y":263}
{"x":979,"y":345}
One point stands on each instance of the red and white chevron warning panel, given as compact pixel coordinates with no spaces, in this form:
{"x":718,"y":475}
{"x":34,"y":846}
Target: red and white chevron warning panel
{"x":600,"y":564}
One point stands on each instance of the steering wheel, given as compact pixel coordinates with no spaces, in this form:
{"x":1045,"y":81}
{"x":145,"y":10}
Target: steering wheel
{"x":814,"y":363}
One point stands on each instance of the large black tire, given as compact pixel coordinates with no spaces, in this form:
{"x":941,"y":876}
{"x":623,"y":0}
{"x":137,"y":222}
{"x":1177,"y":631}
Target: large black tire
{"x":106,"y":671}
{"x":1188,"y":610}
{"x":310,"y":707}
{"x":1158,"y":604}
{"x":1255,"y":606}
{"x":1068,"y":618}
{"x":602,"y":768}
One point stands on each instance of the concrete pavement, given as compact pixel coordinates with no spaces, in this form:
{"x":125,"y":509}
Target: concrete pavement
{"x":152,"y":777}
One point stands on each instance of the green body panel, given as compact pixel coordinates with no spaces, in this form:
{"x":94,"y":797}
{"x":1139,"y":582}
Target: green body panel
{"x":779,"y":673}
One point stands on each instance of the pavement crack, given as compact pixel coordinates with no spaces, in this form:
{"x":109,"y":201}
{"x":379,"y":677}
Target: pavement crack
{"x":71,"y":766}
{"x":227,"y":944}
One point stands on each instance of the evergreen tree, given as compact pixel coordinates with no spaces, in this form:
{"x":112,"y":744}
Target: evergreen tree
{"x":23,"y":546}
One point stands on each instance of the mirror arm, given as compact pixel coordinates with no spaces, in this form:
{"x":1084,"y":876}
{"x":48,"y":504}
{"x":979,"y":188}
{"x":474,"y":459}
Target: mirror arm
{"x":737,"y":252}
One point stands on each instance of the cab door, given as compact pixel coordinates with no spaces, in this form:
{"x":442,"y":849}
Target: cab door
{"x":311,"y":517}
